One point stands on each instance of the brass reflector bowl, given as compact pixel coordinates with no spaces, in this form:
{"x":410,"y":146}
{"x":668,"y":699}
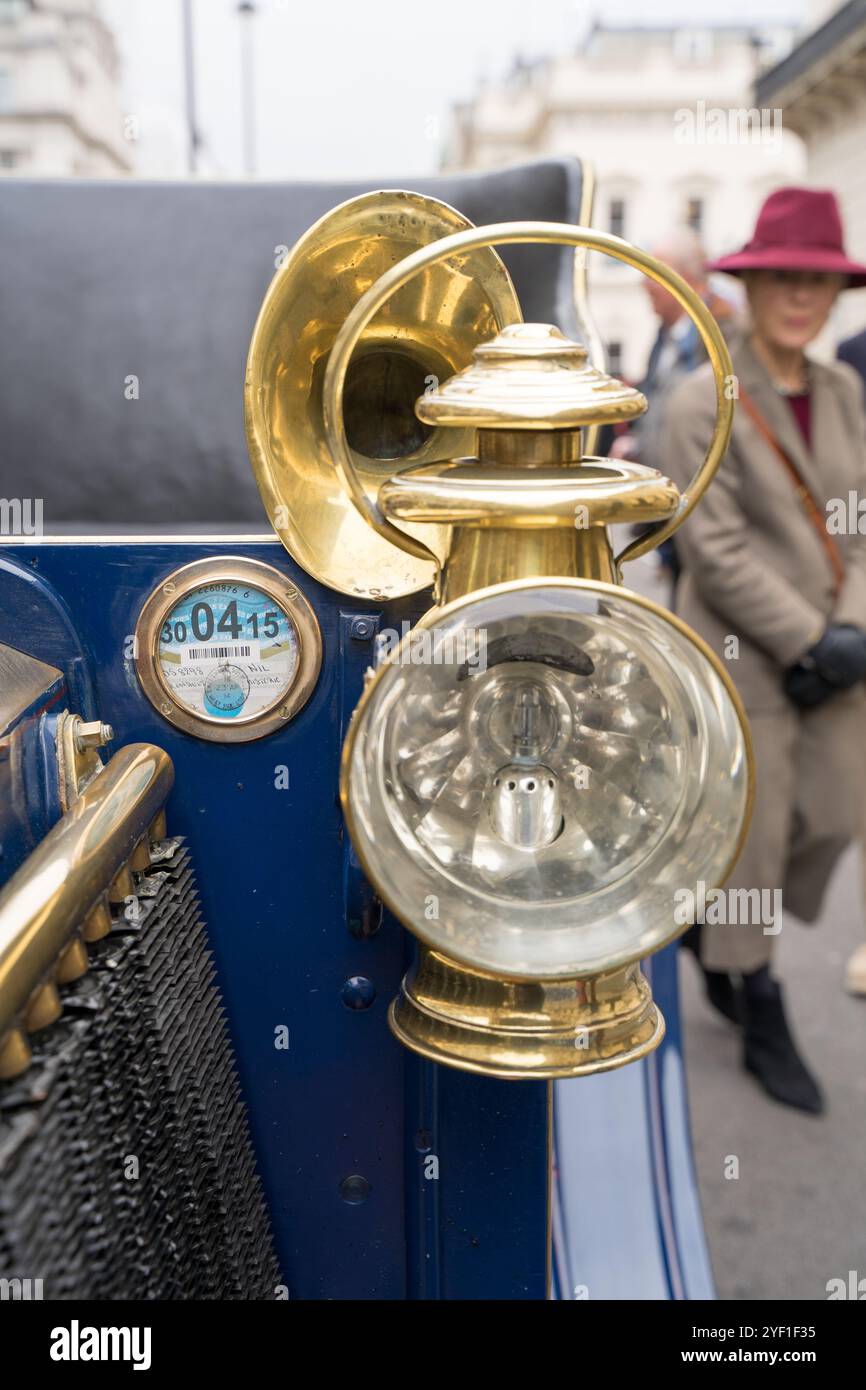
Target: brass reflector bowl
{"x":538,"y":771}
{"x":424,"y":334}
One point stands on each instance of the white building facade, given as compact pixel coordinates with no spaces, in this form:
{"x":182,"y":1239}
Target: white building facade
{"x":60,"y":107}
{"x":666,"y":117}
{"x":821,"y":88}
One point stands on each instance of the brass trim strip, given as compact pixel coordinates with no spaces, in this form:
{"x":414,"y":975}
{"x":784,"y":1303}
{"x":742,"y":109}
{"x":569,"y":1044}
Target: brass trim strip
{"x":46,"y":902}
{"x":580,"y":289}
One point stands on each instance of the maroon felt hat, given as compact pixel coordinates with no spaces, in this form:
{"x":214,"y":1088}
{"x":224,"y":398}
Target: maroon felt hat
{"x":797,"y":229}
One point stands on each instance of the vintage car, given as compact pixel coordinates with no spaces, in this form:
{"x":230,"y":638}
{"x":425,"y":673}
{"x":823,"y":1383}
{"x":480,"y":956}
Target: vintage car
{"x":257,"y":721}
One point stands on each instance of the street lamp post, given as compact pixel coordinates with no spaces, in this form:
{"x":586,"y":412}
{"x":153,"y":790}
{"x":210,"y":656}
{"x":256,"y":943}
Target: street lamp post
{"x":247,"y":11}
{"x":193,"y":136}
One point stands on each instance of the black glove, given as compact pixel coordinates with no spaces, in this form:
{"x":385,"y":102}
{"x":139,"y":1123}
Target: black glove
{"x":839,"y":656}
{"x":806,"y":687}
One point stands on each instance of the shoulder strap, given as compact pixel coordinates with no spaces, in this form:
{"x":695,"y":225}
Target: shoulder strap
{"x":810,"y":506}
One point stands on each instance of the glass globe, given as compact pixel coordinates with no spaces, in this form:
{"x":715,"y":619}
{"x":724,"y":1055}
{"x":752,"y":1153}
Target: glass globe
{"x":538,"y":768}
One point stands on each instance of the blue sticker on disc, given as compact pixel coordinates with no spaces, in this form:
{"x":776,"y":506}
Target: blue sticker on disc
{"x":228,"y":651}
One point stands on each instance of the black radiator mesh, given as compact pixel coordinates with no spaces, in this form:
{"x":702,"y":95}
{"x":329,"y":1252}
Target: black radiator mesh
{"x":126,"y":1169}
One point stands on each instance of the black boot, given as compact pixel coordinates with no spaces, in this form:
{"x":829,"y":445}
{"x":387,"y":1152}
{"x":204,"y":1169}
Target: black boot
{"x":769,"y":1052}
{"x":719,"y":988}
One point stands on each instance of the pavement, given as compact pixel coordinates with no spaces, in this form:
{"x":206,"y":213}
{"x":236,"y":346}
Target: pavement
{"x":795,"y":1217}
{"x":783,"y":1193}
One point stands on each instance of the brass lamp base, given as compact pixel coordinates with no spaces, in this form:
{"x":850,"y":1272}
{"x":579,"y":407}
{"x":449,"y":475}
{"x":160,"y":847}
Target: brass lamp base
{"x":529,"y":1029}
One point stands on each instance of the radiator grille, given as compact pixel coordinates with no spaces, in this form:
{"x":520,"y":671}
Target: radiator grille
{"x":126,"y":1170}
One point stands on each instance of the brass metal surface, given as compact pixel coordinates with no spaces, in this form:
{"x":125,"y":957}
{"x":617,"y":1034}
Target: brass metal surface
{"x":525,"y":507}
{"x":596,"y":492}
{"x":511,"y":233}
{"x":427,"y":332}
{"x":231,"y":569}
{"x":77,"y":763}
{"x":44,"y":1008}
{"x":525,"y":449}
{"x":377,"y":872}
{"x":15,"y":1054}
{"x":122,"y":886}
{"x":73,"y":962}
{"x":589,"y":332}
{"x":97,"y":923}
{"x":140,"y":858}
{"x":536,"y":1030}
{"x":58,"y":887}
{"x":483,"y":556}
{"x":530,"y":377}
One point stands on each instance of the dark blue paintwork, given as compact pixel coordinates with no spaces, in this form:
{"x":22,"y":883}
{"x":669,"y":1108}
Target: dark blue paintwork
{"x":345,"y":1099}
{"x":627,"y":1218}
{"x":292,"y":922}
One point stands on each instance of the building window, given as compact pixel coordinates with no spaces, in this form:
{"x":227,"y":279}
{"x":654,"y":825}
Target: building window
{"x":9,"y":159}
{"x":10,"y":10}
{"x":616,"y":217}
{"x":614,"y":358}
{"x":693,"y":46}
{"x":695,"y":214}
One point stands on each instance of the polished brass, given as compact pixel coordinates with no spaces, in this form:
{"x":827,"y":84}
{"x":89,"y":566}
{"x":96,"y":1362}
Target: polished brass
{"x":73,"y":962}
{"x":527,"y":503}
{"x":139,"y":860}
{"x":511,"y":233}
{"x":122,"y":886}
{"x":43,"y":1009}
{"x":530,"y":377}
{"x":538,"y":382}
{"x":425,"y":334}
{"x":97,"y":923}
{"x":589,"y":332}
{"x":482,"y":556}
{"x":592,"y":492}
{"x":530,"y":1029}
{"x":15,"y":1054}
{"x":78,"y":761}
{"x":451,"y":1012}
{"x":62,"y":885}
{"x":288,"y":597}
{"x":434,"y":616}
{"x":524,"y":450}
{"x":157,"y":831}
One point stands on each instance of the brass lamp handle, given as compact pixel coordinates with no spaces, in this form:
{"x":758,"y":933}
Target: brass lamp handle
{"x":511,"y":233}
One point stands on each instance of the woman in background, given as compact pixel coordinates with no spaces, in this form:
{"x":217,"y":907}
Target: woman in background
{"x":782,"y":600}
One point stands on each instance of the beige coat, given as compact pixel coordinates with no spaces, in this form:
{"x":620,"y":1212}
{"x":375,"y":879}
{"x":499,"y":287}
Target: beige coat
{"x":755,"y":571}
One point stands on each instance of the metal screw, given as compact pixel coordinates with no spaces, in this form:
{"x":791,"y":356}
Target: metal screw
{"x":362,"y":628}
{"x":93,"y":735}
{"x":358,"y":992}
{"x":355,"y":1189}
{"x":169,"y":588}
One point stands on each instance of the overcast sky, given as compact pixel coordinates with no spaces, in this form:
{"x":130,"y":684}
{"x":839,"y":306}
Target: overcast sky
{"x":351,"y":87}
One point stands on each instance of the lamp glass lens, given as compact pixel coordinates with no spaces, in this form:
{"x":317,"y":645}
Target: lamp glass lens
{"x":537,"y":771}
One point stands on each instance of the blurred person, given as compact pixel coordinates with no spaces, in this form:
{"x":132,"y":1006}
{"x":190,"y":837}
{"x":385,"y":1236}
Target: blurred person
{"x":782,"y":602}
{"x":853,"y":351}
{"x":677,"y":349}
{"x":676,"y":352}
